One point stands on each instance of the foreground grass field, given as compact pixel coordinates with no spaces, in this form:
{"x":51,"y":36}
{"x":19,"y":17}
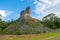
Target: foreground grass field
{"x":44,"y":36}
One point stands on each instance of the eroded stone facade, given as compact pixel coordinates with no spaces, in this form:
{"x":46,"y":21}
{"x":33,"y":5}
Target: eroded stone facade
{"x":25,"y":13}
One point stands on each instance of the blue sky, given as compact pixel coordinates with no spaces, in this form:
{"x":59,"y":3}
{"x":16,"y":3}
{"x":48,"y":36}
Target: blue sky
{"x":10,"y":9}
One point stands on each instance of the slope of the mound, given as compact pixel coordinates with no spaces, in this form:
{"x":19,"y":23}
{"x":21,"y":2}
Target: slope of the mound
{"x":28,"y":26}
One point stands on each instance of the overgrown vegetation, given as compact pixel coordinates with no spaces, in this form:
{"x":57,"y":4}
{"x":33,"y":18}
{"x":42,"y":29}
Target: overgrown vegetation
{"x":31,"y":26}
{"x":51,"y":21}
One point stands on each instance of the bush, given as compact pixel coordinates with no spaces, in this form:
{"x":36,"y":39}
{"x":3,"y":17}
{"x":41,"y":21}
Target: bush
{"x":19,"y":33}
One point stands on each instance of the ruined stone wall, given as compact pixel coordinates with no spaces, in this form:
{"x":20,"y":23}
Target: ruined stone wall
{"x":25,"y":13}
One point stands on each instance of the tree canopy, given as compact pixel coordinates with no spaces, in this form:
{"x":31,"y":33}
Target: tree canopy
{"x":51,"y":21}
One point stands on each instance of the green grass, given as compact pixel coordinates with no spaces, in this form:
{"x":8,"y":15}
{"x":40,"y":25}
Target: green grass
{"x":44,"y":36}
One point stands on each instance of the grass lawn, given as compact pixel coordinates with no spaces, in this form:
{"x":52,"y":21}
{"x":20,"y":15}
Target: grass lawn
{"x":44,"y":36}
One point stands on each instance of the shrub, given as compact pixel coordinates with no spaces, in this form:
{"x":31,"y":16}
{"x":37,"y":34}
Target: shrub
{"x":19,"y":33}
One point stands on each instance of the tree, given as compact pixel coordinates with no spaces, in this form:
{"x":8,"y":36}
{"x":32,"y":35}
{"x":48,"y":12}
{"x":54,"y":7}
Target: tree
{"x":3,"y":24}
{"x":57,"y":22}
{"x":49,"y":21}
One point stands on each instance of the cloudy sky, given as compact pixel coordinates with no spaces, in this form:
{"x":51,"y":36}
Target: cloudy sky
{"x":10,"y":9}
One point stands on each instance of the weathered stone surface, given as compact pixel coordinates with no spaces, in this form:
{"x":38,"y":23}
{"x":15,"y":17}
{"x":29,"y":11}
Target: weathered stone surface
{"x":25,"y":13}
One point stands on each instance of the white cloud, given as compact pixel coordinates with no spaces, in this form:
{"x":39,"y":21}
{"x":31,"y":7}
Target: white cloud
{"x":45,"y":7}
{"x":4,"y":13}
{"x":37,"y":17}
